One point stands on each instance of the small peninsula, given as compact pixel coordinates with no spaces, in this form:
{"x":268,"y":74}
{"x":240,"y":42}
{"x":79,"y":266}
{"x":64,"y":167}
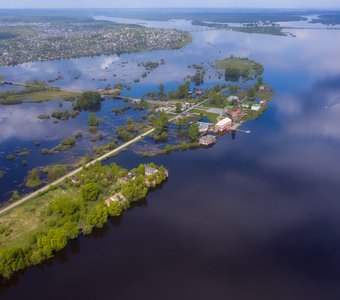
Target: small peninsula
{"x":74,"y":207}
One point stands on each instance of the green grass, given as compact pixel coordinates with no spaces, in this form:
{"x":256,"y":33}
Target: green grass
{"x":253,"y":114}
{"x":211,"y":116}
{"x":37,"y":97}
{"x":241,"y":64}
{"x":29,"y":214}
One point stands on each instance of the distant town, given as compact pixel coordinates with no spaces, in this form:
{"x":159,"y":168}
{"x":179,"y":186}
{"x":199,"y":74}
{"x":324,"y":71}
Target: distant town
{"x":29,"y":41}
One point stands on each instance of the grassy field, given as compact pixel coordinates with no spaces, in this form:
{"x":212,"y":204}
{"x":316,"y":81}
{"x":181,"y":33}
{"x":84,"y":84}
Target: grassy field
{"x":265,"y":95}
{"x":27,"y":218}
{"x":211,"y":116}
{"x":36,"y":97}
{"x":241,"y":64}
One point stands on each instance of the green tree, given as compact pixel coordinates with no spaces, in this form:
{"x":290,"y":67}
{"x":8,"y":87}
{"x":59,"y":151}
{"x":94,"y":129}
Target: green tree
{"x":55,"y":172}
{"x":69,"y":142}
{"x":11,"y":260}
{"x":260,"y":80}
{"x":97,"y":216}
{"x":90,"y":191}
{"x":232,"y":74}
{"x":15,"y":196}
{"x":33,"y":179}
{"x":54,"y":240}
{"x":87,"y":100}
{"x":93,"y":120}
{"x":63,"y":207}
{"x":71,"y":229}
{"x":178,"y":107}
{"x":115,"y":209}
{"x":161,"y":91}
{"x":251,"y":93}
{"x":194,"y":132}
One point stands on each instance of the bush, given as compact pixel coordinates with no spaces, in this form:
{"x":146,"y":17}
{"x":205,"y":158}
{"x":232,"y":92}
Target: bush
{"x":89,"y":192}
{"x":33,"y":179}
{"x":87,"y":101}
{"x":97,"y":217}
{"x":115,"y":209}
{"x":10,"y":157}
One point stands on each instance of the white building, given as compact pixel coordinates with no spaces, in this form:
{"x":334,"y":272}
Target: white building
{"x":256,"y":107}
{"x":223,"y":125}
{"x":233,"y":98}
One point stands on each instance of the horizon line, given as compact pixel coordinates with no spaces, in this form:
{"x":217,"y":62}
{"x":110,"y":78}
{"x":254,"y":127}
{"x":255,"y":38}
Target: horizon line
{"x":189,"y":7}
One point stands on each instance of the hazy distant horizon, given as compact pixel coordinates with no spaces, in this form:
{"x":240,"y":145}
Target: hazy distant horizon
{"x":174,"y":4}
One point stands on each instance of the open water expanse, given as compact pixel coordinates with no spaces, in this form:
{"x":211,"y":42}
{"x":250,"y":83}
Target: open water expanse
{"x":254,"y":217}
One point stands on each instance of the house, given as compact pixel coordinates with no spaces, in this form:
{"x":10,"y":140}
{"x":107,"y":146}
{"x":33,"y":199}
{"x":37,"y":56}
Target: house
{"x":236,"y":113}
{"x":136,"y":100}
{"x":203,"y":127}
{"x":223,"y":125}
{"x":119,"y":197}
{"x":259,"y":101}
{"x":245,"y":105}
{"x":186,"y":105}
{"x":163,"y":109}
{"x":232,"y":98}
{"x":75,"y":180}
{"x":228,"y":108}
{"x":149,"y":171}
{"x":263,"y":88}
{"x":198,"y":92}
{"x":256,"y":107}
{"x":129,"y":177}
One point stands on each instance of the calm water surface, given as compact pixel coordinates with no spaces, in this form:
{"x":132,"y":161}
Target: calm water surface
{"x":255,"y":217}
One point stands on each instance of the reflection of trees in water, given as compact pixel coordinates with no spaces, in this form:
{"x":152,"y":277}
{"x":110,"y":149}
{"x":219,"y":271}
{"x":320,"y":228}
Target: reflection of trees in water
{"x":74,"y":246}
{"x":97,"y":107}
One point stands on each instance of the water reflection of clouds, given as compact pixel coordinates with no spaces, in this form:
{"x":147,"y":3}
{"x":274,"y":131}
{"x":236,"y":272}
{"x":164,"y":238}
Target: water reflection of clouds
{"x":306,"y":50}
{"x":21,"y":122}
{"x":107,"y":61}
{"x":315,"y":114}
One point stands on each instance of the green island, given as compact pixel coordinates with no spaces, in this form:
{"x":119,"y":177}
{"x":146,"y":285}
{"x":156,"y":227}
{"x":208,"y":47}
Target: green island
{"x":255,"y":27}
{"x":73,"y":207}
{"x":271,"y":30}
{"x":35,"y":92}
{"x":239,"y":67}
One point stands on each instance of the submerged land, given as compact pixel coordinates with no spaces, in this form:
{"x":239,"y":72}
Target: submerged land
{"x":178,"y":119}
{"x":81,"y":196}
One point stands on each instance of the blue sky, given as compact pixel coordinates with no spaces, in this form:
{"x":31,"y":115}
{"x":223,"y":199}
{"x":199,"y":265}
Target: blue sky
{"x":170,"y":3}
